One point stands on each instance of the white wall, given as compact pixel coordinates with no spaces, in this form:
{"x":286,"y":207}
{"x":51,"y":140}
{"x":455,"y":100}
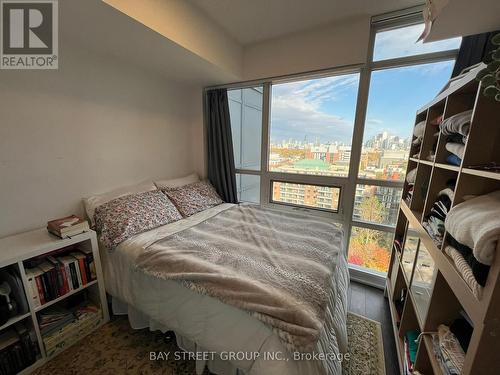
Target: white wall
{"x":322,"y":48}
{"x":93,"y":125}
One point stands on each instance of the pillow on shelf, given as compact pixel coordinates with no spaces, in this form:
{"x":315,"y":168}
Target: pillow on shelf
{"x":193,"y":198}
{"x":177,"y":182}
{"x":124,"y":217}
{"x":94,"y":201}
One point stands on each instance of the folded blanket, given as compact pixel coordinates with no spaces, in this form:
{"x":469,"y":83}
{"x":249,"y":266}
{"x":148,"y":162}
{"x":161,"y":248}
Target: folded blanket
{"x":277,"y":266}
{"x":459,"y":123}
{"x":476,"y":224}
{"x":479,"y":270}
{"x":465,"y":271}
{"x":456,"y":148}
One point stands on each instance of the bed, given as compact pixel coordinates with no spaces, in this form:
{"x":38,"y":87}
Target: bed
{"x":224,"y":336}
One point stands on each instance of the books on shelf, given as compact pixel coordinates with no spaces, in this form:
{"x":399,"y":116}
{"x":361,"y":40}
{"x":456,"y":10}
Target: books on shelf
{"x":61,"y":327}
{"x":18,"y":349}
{"x":57,"y":275}
{"x":68,"y":226}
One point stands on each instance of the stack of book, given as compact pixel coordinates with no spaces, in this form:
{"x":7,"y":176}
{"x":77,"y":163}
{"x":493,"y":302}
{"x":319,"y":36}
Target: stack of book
{"x":68,"y":226}
{"x":18,"y":349}
{"x":62,"y":327}
{"x":55,"y":276}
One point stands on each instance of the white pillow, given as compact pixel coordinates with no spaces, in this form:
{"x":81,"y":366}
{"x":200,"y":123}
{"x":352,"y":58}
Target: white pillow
{"x":94,"y":201}
{"x":177,"y":182}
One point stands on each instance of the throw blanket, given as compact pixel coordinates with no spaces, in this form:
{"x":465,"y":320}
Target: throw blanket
{"x":277,"y":266}
{"x":476,"y":223}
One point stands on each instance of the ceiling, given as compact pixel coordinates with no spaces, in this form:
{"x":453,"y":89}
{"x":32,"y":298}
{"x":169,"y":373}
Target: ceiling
{"x":98,"y":27}
{"x":251,"y":21}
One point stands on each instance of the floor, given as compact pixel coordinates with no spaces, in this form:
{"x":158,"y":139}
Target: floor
{"x":371,"y":303}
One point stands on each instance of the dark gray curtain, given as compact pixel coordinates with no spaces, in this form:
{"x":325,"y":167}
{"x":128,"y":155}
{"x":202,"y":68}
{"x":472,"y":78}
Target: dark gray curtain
{"x":221,"y":170}
{"x":473,"y":50}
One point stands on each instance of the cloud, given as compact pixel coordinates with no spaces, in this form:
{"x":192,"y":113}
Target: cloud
{"x":374,"y":121}
{"x":401,"y":42}
{"x":302,"y":109}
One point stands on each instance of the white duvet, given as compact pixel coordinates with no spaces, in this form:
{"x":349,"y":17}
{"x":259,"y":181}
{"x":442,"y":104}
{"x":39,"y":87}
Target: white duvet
{"x":205,"y":325}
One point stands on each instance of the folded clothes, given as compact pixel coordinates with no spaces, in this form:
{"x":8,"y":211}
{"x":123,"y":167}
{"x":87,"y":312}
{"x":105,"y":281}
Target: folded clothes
{"x":453,"y":160}
{"x":479,"y":270}
{"x":476,"y":224}
{"x":456,"y":138}
{"x":451,"y":350}
{"x":410,"y":176}
{"x":465,"y":271}
{"x":449,"y":193}
{"x":459,"y":123}
{"x":437,"y":120}
{"x":419,"y":129}
{"x":456,"y":148}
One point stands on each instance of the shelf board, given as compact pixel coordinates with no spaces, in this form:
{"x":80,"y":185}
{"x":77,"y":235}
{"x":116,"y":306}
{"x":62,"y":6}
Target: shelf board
{"x":426,"y":162}
{"x":415,"y":160}
{"x":469,"y":302}
{"x":14,"y":320}
{"x":447,"y":166}
{"x":481,"y":173}
{"x":395,"y":328}
{"x":430,"y":353}
{"x":39,"y":308}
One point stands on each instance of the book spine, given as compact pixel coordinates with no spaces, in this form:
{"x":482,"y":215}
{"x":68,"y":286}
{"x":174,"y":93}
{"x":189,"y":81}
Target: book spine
{"x":68,"y":276}
{"x":77,"y":269}
{"x":46,"y":286}
{"x":39,"y":286}
{"x":73,"y":275}
{"x":54,"y":288}
{"x":64,"y":279}
{"x":34,"y":291}
{"x":83,"y":274}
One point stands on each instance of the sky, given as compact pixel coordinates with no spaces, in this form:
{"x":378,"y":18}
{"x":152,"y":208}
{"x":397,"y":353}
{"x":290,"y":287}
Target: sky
{"x":324,"y":109}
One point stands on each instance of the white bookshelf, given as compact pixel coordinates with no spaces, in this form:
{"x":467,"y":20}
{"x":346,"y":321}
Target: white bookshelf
{"x":14,"y":250}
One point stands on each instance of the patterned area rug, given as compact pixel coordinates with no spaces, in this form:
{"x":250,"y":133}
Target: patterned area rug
{"x":118,"y":349}
{"x":366,"y":347}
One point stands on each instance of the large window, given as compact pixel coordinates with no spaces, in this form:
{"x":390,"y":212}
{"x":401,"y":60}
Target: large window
{"x":331,"y":146}
{"x":395,"y":95}
{"x":397,"y":90}
{"x":312,"y":123}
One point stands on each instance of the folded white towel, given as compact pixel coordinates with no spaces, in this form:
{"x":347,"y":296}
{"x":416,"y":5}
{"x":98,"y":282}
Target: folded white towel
{"x":476,"y":224}
{"x":456,"y":148}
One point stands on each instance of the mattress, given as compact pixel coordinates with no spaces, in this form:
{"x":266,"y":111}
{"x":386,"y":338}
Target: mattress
{"x":207,"y":326}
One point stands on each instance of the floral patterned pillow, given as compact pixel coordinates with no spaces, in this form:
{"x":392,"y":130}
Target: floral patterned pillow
{"x":193,"y":198}
{"x":123,"y":217}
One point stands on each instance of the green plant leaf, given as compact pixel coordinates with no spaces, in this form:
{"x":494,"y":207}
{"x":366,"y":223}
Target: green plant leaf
{"x":496,"y":40}
{"x":489,"y":80}
{"x":491,"y":91}
{"x":493,"y":66}
{"x":481,"y":74}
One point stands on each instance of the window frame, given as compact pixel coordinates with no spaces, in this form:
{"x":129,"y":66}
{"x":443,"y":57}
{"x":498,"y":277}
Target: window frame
{"x":347,"y":185}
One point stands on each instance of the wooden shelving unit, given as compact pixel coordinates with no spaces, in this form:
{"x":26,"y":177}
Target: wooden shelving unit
{"x":15,"y":250}
{"x":436,"y":293}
